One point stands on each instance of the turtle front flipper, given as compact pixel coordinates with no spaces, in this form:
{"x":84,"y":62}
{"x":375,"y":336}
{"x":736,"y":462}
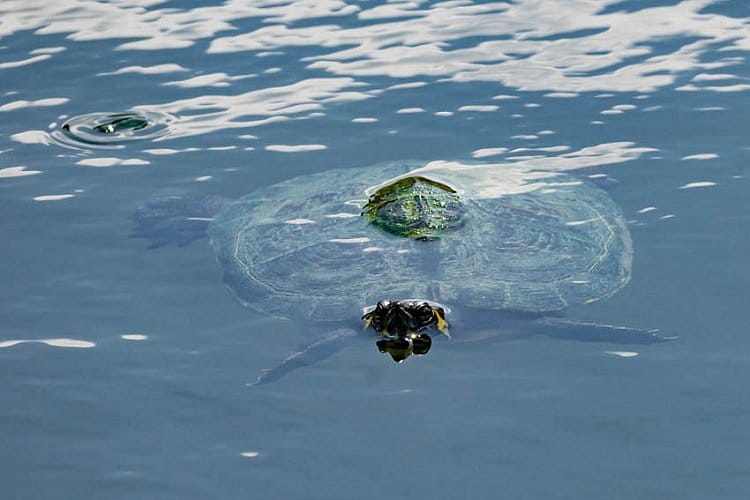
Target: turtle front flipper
{"x":308,"y":355}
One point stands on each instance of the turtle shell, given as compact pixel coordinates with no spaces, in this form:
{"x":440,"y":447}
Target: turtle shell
{"x":415,"y":207}
{"x":527,"y":241}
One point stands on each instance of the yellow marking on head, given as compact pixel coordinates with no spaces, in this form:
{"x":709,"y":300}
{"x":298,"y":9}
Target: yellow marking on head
{"x":367,"y":321}
{"x":442,"y":325}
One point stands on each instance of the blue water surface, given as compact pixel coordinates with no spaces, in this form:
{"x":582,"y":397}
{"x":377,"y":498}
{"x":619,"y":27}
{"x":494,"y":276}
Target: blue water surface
{"x":125,"y":370}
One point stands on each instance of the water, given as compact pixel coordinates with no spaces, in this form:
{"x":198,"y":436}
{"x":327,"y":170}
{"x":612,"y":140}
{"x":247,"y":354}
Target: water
{"x":148,"y":398}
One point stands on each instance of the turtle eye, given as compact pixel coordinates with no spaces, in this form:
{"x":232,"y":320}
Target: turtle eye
{"x":424,"y":313}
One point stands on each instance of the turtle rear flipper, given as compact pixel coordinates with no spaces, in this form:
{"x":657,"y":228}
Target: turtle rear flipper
{"x":592,"y":332}
{"x":175,"y":220}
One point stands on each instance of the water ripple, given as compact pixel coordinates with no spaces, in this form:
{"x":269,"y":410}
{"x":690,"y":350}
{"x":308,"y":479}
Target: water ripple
{"x":102,"y":130}
{"x":568,"y":47}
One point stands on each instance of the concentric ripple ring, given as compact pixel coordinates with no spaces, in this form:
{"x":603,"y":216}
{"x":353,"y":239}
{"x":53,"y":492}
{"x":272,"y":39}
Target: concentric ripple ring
{"x":112,"y":129}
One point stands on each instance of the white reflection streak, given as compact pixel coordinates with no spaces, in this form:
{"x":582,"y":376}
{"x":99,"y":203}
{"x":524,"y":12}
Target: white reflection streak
{"x":24,"y":62}
{"x":50,"y":101}
{"x":363,"y":239}
{"x":209,"y":80}
{"x":134,"y":336}
{"x":60,"y":342}
{"x":701,"y":156}
{"x":48,"y":50}
{"x":623,"y":354}
{"x":31,"y":137}
{"x":264,"y":105}
{"x":299,"y":222}
{"x":300,"y":148}
{"x":17,"y":172}
{"x":514,"y":177}
{"x":699,"y":184}
{"x":147,"y":70}
{"x":710,"y":77}
{"x":563,"y":46}
{"x":419,"y":44}
{"x":483,"y":153}
{"x":479,"y":108}
{"x":53,"y":197}
{"x":157,"y":28}
{"x":713,"y":88}
{"x":111,"y":162}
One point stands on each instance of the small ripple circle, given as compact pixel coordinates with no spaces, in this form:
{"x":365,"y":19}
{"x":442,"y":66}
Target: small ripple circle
{"x":113,"y":129}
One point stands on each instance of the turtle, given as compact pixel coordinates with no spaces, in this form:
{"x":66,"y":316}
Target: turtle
{"x":500,"y":249}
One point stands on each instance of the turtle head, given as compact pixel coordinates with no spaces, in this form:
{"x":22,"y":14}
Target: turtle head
{"x":415,"y":207}
{"x":402,"y":318}
{"x":402,"y":323}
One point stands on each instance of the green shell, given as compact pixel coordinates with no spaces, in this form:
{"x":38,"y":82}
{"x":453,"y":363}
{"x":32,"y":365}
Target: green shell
{"x":311,"y":248}
{"x":415,"y":207}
